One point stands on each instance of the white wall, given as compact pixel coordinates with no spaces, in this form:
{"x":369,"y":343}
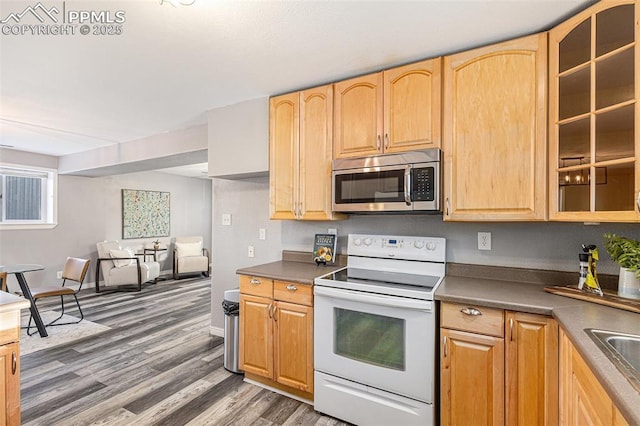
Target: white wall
{"x":90,"y":210}
{"x":549,"y":246}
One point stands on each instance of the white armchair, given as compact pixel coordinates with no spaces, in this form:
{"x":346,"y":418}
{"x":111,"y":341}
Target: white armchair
{"x":122,"y":266}
{"x":189,"y":257}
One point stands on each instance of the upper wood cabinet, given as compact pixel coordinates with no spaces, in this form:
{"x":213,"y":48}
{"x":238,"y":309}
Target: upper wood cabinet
{"x":300,"y":146}
{"x":594,"y":132}
{"x":391,"y":111}
{"x":494,"y":143}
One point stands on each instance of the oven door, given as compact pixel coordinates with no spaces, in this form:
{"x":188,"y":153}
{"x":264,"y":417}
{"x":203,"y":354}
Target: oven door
{"x":374,"y":189}
{"x":385,"y":342}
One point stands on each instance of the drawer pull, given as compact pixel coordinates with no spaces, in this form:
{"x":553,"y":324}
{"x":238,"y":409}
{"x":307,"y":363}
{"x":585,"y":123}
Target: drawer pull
{"x":292,"y":287}
{"x":14,"y":363}
{"x":471,"y":311}
{"x":254,"y":281}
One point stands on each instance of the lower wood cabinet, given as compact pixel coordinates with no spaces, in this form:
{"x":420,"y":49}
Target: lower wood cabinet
{"x":276,"y":333}
{"x":583,"y":401}
{"x":497,"y":367}
{"x":10,"y":384}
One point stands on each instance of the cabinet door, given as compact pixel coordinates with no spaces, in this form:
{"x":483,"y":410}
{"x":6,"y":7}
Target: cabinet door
{"x":284,"y":113}
{"x":294,"y":345}
{"x":256,"y":335}
{"x":472,"y":378}
{"x":10,"y":384}
{"x":316,"y":137}
{"x":358,"y":116}
{"x":594,"y":137}
{"x":495,"y":132}
{"x":531,"y":370}
{"x":412,"y":106}
{"x":583,"y":400}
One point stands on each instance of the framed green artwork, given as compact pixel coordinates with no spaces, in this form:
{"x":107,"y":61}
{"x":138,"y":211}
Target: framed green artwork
{"x":145,"y":214}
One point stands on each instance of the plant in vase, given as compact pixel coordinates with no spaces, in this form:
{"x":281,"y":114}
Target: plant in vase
{"x":156,"y":244}
{"x":626,"y":253}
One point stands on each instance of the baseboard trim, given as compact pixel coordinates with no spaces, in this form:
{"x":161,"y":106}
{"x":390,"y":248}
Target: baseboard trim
{"x":216,"y":331}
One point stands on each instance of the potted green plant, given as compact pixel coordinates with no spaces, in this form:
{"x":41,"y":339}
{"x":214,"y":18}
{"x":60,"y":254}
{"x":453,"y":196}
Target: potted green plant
{"x":626,"y":253}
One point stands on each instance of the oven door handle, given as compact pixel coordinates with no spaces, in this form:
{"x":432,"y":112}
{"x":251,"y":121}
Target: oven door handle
{"x":407,"y":185}
{"x":375,"y":299}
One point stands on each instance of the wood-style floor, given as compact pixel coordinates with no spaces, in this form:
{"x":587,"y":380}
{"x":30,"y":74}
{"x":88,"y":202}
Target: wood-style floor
{"x":157,"y":365}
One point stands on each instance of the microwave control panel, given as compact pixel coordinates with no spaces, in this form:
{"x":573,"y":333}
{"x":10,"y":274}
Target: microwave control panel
{"x":423,"y":184}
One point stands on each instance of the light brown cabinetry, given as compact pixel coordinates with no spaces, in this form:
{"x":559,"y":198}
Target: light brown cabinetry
{"x":300,"y":154}
{"x":494,"y":143}
{"x":391,"y":111}
{"x":276,"y":333}
{"x":583,"y":401}
{"x":594,"y":132}
{"x":497,"y":367}
{"x":10,"y":368}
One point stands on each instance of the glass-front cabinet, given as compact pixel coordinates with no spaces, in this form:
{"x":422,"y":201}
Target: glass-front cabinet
{"x":593,"y":124}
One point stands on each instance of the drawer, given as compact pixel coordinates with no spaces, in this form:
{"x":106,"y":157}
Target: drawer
{"x":302,"y":294}
{"x":256,"y":286}
{"x":476,"y":319}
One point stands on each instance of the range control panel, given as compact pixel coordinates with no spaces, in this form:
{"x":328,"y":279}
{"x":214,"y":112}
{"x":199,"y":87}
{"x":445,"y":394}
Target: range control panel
{"x":431,"y":249}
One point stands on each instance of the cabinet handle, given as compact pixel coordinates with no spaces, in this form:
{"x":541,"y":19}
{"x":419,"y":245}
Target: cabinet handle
{"x":386,"y":141}
{"x":638,"y":201}
{"x":444,"y":346}
{"x":300,"y":209}
{"x":254,"y":281}
{"x":379,"y":143}
{"x":14,"y":363}
{"x":292,"y":287}
{"x":269,"y":314}
{"x":471,"y":311}
{"x":446,"y":210}
{"x":275,"y":309}
{"x":511,"y":329}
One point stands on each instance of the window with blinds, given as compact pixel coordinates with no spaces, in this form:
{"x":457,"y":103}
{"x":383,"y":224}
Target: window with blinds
{"x":27,"y":196}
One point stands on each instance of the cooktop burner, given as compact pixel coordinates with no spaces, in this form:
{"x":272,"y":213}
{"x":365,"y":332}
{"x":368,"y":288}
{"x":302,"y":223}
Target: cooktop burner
{"x":410,"y":267}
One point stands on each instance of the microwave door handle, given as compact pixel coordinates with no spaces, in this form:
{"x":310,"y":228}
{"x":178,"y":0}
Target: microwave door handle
{"x":407,"y":185}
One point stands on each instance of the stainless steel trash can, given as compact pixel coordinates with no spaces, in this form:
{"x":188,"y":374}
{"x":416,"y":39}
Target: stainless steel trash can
{"x":231,"y":308}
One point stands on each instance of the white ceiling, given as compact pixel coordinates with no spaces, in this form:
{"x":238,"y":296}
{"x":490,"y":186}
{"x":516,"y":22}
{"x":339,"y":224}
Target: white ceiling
{"x":177,"y":59}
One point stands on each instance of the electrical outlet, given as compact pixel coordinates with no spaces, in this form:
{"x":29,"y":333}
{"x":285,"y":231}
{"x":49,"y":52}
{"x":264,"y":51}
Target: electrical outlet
{"x":484,"y":240}
{"x":226,"y":219}
{"x":59,"y":274}
{"x":251,"y":251}
{"x":263,"y":234}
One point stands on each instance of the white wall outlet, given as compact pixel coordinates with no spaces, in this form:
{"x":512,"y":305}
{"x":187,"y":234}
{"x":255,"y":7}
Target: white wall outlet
{"x":59,"y":274}
{"x":263,"y":234}
{"x":484,"y":240}
{"x":333,"y":231}
{"x":251,"y":251}
{"x":226,"y":219}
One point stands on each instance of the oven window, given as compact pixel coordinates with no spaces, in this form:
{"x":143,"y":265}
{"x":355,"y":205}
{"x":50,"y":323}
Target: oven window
{"x":370,"y":338}
{"x":371,"y":187}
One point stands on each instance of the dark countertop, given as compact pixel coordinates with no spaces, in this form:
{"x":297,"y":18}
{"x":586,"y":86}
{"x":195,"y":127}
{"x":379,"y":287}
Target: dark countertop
{"x":573,"y":316}
{"x":294,"y":266}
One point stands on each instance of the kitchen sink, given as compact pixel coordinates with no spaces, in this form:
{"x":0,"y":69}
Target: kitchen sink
{"x":622,"y":349}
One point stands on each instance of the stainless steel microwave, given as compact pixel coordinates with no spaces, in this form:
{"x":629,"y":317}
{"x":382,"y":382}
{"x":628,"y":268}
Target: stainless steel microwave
{"x":402,"y":182}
